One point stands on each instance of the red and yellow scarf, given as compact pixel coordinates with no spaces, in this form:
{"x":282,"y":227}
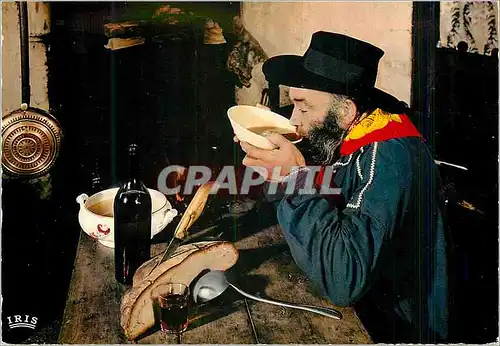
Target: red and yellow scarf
{"x":376,"y":127}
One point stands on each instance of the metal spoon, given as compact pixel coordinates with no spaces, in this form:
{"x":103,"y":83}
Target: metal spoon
{"x":213,"y":283}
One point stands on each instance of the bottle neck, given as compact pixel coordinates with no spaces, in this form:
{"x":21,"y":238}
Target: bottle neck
{"x":134,"y":170}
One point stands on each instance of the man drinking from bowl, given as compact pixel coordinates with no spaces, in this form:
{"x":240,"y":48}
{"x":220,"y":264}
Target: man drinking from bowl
{"x":381,"y":246}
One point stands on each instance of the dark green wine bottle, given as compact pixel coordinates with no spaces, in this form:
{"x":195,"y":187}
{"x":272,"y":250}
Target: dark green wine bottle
{"x":132,"y":221}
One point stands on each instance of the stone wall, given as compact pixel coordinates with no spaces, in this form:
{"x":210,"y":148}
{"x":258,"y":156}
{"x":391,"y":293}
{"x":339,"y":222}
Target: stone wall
{"x":286,"y":28}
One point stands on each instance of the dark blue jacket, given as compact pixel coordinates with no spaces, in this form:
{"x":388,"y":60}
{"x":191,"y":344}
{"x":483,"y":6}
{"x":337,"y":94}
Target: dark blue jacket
{"x":385,"y":247}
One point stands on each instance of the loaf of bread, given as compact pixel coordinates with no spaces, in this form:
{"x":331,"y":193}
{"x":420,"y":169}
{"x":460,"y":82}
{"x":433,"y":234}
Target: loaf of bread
{"x":186,"y":264}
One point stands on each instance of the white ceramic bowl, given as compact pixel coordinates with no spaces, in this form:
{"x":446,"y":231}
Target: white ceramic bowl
{"x":244,"y":117}
{"x":96,"y":214}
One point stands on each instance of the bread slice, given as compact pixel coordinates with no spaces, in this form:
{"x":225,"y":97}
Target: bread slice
{"x":187,"y":263}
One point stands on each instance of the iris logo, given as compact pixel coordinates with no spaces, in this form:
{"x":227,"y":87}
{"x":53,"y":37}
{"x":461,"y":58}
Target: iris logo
{"x":22,"y":321}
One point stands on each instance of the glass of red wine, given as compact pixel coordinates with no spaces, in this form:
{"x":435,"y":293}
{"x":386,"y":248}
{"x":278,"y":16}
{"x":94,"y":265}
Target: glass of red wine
{"x":170,"y":303}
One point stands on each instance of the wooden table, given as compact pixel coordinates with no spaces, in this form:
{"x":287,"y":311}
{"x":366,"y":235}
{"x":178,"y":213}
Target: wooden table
{"x":267,"y":269}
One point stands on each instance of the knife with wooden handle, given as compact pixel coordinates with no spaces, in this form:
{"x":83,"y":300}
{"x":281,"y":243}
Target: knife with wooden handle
{"x":192,"y":213}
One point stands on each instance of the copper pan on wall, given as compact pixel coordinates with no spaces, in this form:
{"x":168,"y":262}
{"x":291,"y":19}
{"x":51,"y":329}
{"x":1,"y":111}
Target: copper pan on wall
{"x":31,"y":137}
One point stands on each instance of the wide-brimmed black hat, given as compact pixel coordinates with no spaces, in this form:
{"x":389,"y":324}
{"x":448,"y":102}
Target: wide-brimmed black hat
{"x":333,"y":63}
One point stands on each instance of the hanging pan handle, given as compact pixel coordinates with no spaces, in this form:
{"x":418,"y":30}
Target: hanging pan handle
{"x":25,"y":48}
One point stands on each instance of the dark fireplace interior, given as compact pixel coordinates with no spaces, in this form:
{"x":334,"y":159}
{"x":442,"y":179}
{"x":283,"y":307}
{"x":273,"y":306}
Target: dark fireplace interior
{"x":169,"y":95}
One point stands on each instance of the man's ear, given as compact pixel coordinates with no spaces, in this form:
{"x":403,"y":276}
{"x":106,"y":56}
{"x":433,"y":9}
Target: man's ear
{"x":351,"y":111}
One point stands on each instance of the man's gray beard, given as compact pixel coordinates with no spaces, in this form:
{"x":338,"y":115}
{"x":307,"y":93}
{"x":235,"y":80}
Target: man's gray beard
{"x":325,"y":139}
